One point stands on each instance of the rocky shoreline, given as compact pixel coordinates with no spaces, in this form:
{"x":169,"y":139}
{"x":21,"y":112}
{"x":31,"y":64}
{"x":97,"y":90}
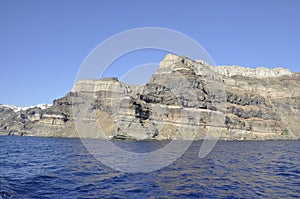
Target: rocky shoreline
{"x":184,"y":99}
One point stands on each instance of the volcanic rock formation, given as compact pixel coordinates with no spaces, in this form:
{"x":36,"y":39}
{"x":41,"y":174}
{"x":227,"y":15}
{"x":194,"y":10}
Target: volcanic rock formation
{"x":184,"y":99}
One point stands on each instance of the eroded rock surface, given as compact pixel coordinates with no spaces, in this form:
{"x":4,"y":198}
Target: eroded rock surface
{"x":184,"y":99}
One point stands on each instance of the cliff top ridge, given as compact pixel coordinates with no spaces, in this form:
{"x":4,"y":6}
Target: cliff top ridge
{"x":234,"y":70}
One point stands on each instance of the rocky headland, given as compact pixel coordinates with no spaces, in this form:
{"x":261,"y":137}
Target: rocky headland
{"x":184,"y":99}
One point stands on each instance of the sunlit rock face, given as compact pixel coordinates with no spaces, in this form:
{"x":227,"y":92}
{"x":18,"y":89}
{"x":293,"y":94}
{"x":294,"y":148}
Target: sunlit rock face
{"x":184,"y":99}
{"x":259,"y":73}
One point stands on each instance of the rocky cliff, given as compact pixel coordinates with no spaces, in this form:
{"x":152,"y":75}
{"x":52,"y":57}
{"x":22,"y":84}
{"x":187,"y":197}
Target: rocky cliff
{"x":184,"y":99}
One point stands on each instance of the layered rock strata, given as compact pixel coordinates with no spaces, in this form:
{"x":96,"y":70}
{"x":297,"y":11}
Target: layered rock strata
{"x":184,"y":99}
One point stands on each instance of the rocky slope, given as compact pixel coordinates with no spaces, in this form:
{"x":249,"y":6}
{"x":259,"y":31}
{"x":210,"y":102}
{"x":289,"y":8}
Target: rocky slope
{"x":184,"y":99}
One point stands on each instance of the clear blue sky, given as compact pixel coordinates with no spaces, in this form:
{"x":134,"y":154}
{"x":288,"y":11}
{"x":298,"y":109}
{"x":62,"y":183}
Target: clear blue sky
{"x":43,"y":43}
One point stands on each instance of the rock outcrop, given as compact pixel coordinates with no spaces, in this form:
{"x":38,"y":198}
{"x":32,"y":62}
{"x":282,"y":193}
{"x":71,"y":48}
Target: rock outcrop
{"x":258,"y":73}
{"x":184,"y":99}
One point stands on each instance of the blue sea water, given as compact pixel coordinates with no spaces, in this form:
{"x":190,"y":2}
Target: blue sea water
{"x":62,"y":168}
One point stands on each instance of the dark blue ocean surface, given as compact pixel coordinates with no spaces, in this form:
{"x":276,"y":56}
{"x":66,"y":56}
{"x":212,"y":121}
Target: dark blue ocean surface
{"x":63,"y":168}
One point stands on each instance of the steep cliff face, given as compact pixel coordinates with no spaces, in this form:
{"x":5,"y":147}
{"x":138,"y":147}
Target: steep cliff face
{"x":184,"y":99}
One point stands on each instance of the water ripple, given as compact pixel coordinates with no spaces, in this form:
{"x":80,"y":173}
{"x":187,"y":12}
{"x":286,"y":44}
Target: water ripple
{"x":63,"y":168}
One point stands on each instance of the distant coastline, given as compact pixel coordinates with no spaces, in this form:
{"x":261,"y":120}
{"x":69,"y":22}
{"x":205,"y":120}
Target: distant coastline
{"x":231,"y":103}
